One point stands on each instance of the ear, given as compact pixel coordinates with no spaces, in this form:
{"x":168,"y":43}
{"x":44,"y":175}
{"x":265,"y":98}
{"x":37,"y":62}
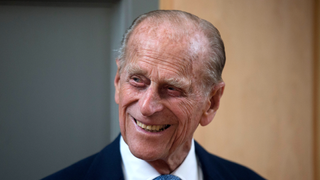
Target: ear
{"x":117,"y":82}
{"x":213,"y":102}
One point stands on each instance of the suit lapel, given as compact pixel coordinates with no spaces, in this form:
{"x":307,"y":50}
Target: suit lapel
{"x":107,"y":163}
{"x":209,"y":169}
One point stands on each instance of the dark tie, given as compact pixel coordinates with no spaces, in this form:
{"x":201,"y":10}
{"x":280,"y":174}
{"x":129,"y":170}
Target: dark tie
{"x":167,"y":177}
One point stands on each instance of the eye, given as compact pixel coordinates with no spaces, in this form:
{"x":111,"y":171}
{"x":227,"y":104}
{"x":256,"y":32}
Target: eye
{"x":173,"y":91}
{"x":137,"y":81}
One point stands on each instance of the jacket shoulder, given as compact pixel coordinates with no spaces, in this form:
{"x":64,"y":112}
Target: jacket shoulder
{"x":105,"y":164}
{"x":215,"y":167}
{"x":77,"y":170}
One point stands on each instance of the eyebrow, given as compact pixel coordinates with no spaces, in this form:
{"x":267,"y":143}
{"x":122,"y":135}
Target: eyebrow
{"x":182,"y":83}
{"x":135,"y":69}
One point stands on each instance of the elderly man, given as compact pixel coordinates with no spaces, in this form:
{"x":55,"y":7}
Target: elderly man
{"x":168,"y":82}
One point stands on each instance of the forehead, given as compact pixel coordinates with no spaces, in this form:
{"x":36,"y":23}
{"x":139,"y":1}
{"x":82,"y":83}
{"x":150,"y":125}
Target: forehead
{"x":170,"y":41}
{"x":159,"y":46}
{"x":160,"y":54}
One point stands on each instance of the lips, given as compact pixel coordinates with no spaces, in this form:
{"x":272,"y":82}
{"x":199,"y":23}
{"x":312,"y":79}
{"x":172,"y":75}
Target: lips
{"x":152,"y":128}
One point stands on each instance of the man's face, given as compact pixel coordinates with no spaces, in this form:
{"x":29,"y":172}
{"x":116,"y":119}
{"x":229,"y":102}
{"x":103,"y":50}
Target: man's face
{"x":160,"y":99}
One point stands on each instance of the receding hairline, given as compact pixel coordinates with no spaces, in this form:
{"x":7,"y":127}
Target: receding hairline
{"x":177,"y":23}
{"x":185,"y":33}
{"x":213,"y":60}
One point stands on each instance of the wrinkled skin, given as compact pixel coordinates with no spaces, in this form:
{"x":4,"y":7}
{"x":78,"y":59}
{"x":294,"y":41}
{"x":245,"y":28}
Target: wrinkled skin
{"x":160,"y":85}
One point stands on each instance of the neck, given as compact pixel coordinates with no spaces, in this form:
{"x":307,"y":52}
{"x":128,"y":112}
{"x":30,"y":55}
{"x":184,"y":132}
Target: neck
{"x":167,"y":166}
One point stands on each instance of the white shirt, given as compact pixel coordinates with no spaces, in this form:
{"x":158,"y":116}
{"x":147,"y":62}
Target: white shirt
{"x":137,"y":169}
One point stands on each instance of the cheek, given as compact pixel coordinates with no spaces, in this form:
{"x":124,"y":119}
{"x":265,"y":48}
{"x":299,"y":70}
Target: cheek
{"x":125,"y":100}
{"x":127,"y":95}
{"x":187,"y":107}
{"x":190,"y":114}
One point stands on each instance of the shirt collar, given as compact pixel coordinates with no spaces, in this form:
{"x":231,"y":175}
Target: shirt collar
{"x":135,"y":168}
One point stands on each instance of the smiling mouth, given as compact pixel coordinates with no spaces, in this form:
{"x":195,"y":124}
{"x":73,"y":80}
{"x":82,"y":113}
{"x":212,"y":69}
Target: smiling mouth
{"x":152,"y":128}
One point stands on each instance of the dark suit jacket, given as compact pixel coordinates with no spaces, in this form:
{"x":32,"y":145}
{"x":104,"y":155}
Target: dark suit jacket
{"x":106,"y":165}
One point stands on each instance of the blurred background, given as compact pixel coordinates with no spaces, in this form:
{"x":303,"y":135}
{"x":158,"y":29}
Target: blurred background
{"x":56,"y":82}
{"x":269,"y":114}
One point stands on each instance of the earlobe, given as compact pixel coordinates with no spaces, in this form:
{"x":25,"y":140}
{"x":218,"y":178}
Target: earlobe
{"x":117,"y":83}
{"x":213,"y":103}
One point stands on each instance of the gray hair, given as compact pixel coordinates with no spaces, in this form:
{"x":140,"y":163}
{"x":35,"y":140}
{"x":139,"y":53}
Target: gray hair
{"x":214,"y":56}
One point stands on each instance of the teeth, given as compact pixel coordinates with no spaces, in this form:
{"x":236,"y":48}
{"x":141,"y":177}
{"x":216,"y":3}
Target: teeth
{"x":151,"y":128}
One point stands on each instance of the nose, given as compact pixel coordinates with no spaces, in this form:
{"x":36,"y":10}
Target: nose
{"x":150,"y":102}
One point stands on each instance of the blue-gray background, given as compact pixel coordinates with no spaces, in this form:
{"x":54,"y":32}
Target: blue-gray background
{"x":56,"y":82}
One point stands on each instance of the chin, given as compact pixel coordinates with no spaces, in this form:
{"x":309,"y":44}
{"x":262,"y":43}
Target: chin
{"x":146,"y":154}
